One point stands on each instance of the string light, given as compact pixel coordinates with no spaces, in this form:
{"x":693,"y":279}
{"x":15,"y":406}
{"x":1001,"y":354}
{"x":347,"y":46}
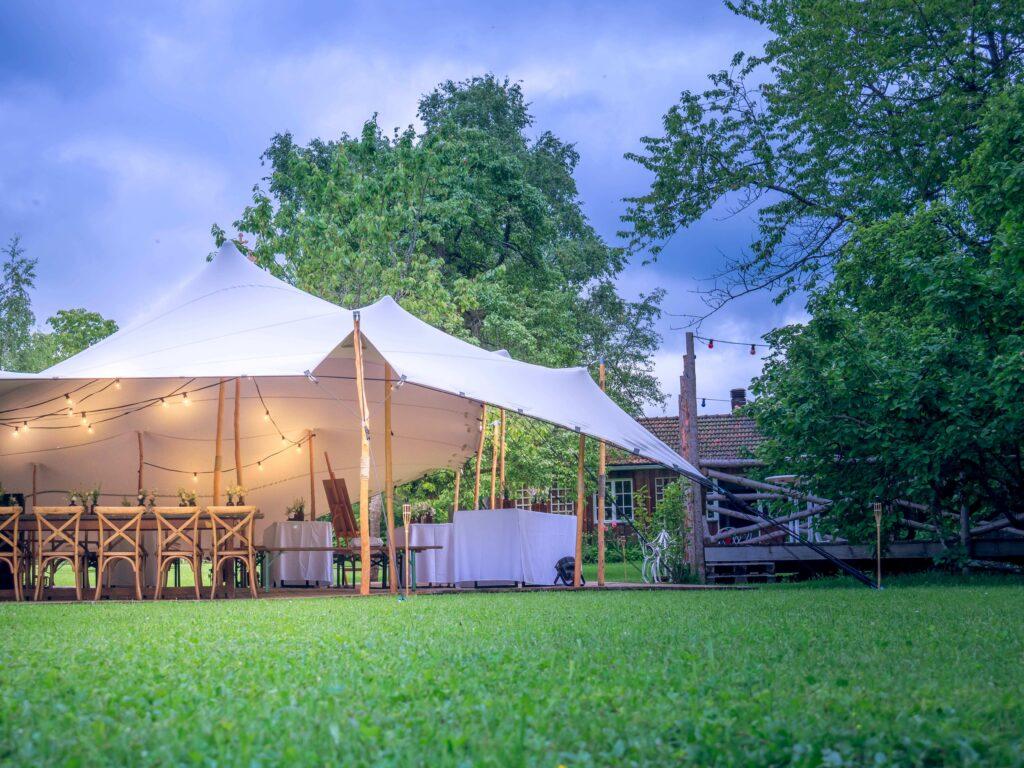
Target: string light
{"x":185,"y":400}
{"x":259,"y":465}
{"x":71,"y":412}
{"x":85,"y":420}
{"x":711,"y":343}
{"x":117,"y":383}
{"x":266,"y":415}
{"x":703,"y":402}
{"x":298,"y":447}
{"x":195,"y":477}
{"x":163,"y":403}
{"x":68,"y":401}
{"x":15,"y":432}
{"x":284,"y":440}
{"x":753,"y":349}
{"x":89,"y":428}
{"x":24,"y":426}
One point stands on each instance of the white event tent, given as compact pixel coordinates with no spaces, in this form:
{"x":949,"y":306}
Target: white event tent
{"x":149,"y":394}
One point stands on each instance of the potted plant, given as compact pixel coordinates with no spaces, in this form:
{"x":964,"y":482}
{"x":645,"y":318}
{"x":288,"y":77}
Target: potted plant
{"x":296,"y":511}
{"x":146,"y":498}
{"x":186,"y":497}
{"x":236,"y":496}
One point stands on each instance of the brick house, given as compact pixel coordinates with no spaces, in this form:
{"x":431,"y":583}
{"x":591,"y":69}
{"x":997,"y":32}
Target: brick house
{"x":726,"y":441}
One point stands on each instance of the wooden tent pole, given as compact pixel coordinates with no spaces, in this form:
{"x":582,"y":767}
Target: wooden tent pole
{"x":602,"y":483}
{"x":389,"y":479}
{"x":138,"y":437}
{"x":695,"y":523}
{"x":364,"y":461}
{"x":580,"y":489}
{"x":480,"y":457}
{"x":312,"y":476}
{"x":501,"y":461}
{"x":217,"y":444}
{"x":34,"y":500}
{"x":455,"y":503}
{"x":494,"y":465}
{"x":238,"y":436}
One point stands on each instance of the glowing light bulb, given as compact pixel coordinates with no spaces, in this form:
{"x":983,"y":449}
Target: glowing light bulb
{"x":185,"y":400}
{"x":117,"y":383}
{"x":89,"y":428}
{"x":24,"y":427}
{"x":752,"y":350}
{"x":71,"y":412}
{"x":298,"y":447}
{"x":711,"y":343}
{"x":195,"y":477}
{"x":15,"y":432}
{"x":266,"y":415}
{"x":284,"y":440}
{"x":259,"y":465}
{"x":67,"y":401}
{"x":163,"y":403}
{"x":85,"y":420}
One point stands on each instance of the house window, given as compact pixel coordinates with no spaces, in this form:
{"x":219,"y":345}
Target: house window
{"x":619,"y":499}
{"x":660,"y":483}
{"x":562,"y":500}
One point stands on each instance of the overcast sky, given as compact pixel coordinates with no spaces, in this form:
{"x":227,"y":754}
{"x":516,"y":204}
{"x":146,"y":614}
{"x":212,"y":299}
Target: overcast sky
{"x":127,"y":129}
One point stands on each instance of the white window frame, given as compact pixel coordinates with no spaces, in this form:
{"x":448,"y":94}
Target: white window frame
{"x":611,"y":510}
{"x":659,"y":487}
{"x":561,"y":500}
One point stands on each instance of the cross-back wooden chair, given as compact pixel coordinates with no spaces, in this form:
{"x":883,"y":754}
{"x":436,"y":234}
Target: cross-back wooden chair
{"x":177,"y":538}
{"x":10,"y":545}
{"x":231,"y":528}
{"x":58,"y":540}
{"x":119,"y":527}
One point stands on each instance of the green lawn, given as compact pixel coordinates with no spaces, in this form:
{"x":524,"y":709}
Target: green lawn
{"x":818,"y":674}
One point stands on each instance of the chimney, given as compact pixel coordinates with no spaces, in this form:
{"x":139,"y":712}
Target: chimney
{"x":738,"y":398}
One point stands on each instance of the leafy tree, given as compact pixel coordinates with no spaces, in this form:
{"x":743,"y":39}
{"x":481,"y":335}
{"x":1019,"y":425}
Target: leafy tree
{"x":470,"y":225}
{"x":16,"y":317}
{"x":855,"y":112}
{"x":72,"y":330}
{"x":906,"y":382}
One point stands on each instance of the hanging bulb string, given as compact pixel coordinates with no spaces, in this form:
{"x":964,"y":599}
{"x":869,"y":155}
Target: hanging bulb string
{"x":61,"y":396}
{"x":251,"y":464}
{"x":268,"y":415}
{"x":710,"y":342}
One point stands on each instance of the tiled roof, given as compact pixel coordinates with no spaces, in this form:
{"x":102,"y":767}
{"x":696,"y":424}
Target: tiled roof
{"x":719,"y":435}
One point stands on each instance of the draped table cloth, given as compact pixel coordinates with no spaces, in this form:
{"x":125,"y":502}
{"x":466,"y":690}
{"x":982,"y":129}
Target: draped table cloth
{"x":494,"y":546}
{"x":433,"y":566}
{"x":299,"y":567}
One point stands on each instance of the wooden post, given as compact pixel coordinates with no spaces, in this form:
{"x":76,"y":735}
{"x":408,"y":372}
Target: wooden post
{"x":494,"y":464}
{"x":501,"y":461}
{"x":878,"y":543}
{"x":480,"y":457}
{"x":217,"y":444}
{"x":312,"y":476}
{"x":691,"y":452}
{"x":580,"y":511}
{"x":138,"y":436}
{"x":455,"y":504}
{"x":34,"y":500}
{"x":389,"y":480}
{"x":364,"y":461}
{"x":602,"y":483}
{"x":406,"y":520}
{"x":238,"y":436}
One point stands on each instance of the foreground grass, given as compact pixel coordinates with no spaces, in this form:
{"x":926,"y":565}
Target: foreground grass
{"x":799,"y":675}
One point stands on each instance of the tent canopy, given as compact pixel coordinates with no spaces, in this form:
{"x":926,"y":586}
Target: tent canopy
{"x":154,"y":385}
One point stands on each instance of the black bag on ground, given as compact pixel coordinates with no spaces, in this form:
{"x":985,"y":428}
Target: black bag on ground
{"x":564,"y":569}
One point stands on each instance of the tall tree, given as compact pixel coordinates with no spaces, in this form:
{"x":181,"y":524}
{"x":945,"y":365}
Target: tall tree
{"x":16,"y":317}
{"x":855,"y":112}
{"x":906,"y":382}
{"x":470,"y":224}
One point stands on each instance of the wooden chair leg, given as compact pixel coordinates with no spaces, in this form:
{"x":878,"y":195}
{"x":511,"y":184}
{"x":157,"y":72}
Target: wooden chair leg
{"x":213,"y":581}
{"x":39,"y":580}
{"x":137,"y":567}
{"x":197,"y":574}
{"x":251,"y":564}
{"x":16,"y":575}
{"x":160,"y":578}
{"x":100,"y":565}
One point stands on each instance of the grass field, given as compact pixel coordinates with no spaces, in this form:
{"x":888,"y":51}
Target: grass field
{"x":813,"y":674}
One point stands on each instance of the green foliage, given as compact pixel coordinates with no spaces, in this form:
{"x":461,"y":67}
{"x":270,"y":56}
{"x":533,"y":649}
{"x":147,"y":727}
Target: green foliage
{"x":818,"y":674}
{"x":16,"y":318}
{"x":669,"y":515}
{"x":906,"y":383}
{"x":471,"y":225}
{"x":855,"y":112}
{"x":21,"y":347}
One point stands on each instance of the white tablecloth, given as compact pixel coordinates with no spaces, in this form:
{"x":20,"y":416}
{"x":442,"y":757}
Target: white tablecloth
{"x":433,"y":566}
{"x":299,"y":567}
{"x":510,"y":545}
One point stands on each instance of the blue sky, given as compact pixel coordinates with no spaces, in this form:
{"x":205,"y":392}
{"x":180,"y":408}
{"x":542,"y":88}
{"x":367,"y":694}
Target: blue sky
{"x":127,"y":129}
